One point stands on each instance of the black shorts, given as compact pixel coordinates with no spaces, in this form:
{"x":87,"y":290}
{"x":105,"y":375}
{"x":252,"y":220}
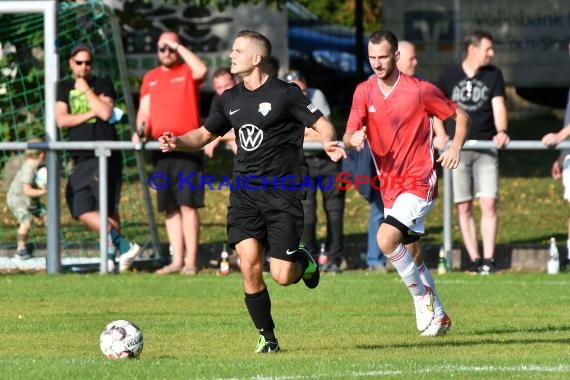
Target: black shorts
{"x":176,"y":166}
{"x":272,"y":217}
{"x":82,"y":191}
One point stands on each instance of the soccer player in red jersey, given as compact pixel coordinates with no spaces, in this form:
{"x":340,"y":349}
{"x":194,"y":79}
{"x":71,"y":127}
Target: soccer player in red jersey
{"x":392,"y":111}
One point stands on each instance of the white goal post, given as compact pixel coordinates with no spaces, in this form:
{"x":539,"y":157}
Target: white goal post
{"x":51,"y":64}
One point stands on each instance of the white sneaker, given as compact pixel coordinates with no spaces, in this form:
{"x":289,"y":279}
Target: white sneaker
{"x":438,"y":326}
{"x":111,"y":267}
{"x":126,"y":259}
{"x":424,"y":310}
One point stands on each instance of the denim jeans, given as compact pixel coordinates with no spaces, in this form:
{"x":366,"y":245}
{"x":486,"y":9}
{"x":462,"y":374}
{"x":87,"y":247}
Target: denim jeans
{"x":374,"y":256}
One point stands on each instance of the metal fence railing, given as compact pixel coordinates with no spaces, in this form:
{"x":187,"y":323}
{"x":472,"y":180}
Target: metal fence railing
{"x":103,"y":150}
{"x":447,"y":188}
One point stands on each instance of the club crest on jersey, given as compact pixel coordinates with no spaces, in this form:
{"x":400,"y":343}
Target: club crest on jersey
{"x":312,"y":108}
{"x":250,"y":137}
{"x":264,"y":108}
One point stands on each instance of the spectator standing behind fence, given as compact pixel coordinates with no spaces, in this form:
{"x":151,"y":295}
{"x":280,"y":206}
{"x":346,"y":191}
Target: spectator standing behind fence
{"x":169,"y":103}
{"x":222,"y":80}
{"x":84,"y":106}
{"x":269,"y":117}
{"x":391,"y":110}
{"x":321,"y":172}
{"x":478,"y":88}
{"x":359,"y":163}
{"x":561,"y":167}
{"x":24,"y":197}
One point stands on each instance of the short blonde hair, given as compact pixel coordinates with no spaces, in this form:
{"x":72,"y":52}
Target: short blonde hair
{"x":259,"y":40}
{"x":34,"y":153}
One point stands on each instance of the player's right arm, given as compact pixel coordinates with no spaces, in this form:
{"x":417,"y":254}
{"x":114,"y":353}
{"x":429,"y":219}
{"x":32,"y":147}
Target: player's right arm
{"x":194,"y":140}
{"x":355,"y":140}
{"x":355,"y":133}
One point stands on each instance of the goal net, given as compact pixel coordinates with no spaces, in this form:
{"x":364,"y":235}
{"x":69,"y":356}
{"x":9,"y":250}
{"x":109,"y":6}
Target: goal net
{"x":22,"y":117}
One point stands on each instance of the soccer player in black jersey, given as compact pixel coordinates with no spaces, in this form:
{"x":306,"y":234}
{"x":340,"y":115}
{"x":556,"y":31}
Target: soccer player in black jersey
{"x":265,"y":213}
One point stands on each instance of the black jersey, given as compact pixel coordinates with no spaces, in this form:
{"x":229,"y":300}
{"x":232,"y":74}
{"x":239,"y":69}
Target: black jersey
{"x":474,"y":96}
{"x":269,"y":124}
{"x":93,"y":129}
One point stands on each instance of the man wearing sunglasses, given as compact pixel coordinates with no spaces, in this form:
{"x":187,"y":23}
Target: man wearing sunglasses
{"x":83,"y":108}
{"x":169,"y":103}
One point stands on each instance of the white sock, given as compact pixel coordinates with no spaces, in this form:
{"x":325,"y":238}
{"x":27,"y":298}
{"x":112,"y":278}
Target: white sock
{"x":427,"y":279}
{"x":404,"y":264}
{"x":568,"y":249}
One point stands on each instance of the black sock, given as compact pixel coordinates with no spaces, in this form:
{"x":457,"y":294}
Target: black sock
{"x":304,"y":261}
{"x":259,"y":308}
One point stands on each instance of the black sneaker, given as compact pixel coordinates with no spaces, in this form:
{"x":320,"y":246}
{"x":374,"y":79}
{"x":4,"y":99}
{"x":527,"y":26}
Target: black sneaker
{"x":312,"y":275}
{"x":266,"y":346}
{"x":22,"y":254}
{"x":488,"y":267}
{"x":475,"y":267}
{"x":332,"y":268}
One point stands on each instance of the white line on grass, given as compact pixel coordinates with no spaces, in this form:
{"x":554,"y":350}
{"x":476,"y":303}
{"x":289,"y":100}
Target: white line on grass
{"x":447,"y":369}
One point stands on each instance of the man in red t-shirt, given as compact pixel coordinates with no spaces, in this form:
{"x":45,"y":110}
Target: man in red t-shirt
{"x":169,"y":103}
{"x":392,"y":111}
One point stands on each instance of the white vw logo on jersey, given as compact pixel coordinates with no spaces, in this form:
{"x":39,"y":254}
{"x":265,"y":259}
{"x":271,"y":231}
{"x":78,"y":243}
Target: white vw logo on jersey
{"x":250,"y":137}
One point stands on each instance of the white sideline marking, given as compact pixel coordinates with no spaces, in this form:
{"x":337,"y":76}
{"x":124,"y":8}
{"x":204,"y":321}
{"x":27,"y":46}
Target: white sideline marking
{"x":447,"y":369}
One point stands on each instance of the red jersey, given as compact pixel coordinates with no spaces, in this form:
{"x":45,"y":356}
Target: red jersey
{"x":400,"y":133}
{"x":173,"y":100}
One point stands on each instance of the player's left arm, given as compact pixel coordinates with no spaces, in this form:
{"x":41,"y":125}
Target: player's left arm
{"x":328,"y":138}
{"x":449,"y":159}
{"x":501,"y":139}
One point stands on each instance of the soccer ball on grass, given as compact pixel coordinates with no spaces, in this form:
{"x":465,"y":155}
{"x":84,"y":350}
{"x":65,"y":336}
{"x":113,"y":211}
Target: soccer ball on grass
{"x":121,"y":339}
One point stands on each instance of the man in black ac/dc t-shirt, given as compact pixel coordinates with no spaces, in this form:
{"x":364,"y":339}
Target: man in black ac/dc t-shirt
{"x":478,"y":88}
{"x":269,"y":117}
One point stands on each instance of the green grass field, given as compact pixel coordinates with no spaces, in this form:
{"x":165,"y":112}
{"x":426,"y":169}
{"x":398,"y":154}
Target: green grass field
{"x":354,"y":325}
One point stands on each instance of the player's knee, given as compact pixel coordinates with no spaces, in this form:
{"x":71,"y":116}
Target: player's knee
{"x":283,"y":280}
{"x":386,"y":243}
{"x":389,"y":235}
{"x":282,"y":272}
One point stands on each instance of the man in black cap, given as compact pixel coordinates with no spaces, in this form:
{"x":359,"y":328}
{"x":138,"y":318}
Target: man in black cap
{"x":84,"y":106}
